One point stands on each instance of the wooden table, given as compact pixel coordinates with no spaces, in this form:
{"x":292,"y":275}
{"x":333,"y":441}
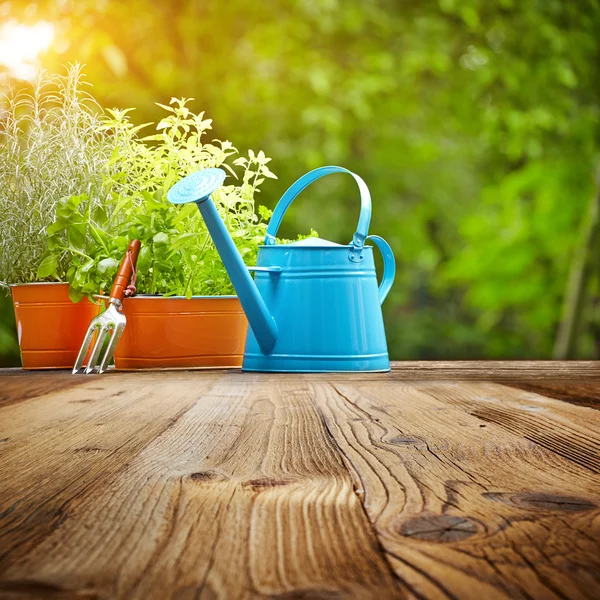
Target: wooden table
{"x":438,"y":480}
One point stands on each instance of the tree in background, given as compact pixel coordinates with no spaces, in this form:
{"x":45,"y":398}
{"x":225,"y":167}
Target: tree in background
{"x":475,"y":125}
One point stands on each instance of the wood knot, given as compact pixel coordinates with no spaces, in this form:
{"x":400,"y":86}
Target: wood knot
{"x":90,"y":450}
{"x":439,"y":528}
{"x":405,"y":440}
{"x":207,"y":476}
{"x":531,"y":408}
{"x":542,"y":501}
{"x":264,"y":483}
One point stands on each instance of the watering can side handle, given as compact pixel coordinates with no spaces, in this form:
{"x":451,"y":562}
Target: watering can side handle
{"x":389,"y":266}
{"x":296,"y":188}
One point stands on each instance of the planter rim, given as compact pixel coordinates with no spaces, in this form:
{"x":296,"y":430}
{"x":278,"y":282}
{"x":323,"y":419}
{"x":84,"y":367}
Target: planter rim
{"x":39,"y":283}
{"x":154,"y":297}
{"x":144,"y":296}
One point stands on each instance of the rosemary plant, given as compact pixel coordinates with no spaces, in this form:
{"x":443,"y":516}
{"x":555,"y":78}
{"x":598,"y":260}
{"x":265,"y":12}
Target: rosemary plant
{"x":52,"y":146}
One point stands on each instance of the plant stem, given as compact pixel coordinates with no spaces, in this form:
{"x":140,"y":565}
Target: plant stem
{"x":565,"y":345}
{"x":153,"y":277}
{"x":187,"y":285}
{"x":97,"y":237}
{"x":74,"y":251}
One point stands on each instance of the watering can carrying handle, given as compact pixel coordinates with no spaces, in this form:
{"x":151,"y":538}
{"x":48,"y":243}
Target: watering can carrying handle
{"x":358,"y":240}
{"x":389,"y":266}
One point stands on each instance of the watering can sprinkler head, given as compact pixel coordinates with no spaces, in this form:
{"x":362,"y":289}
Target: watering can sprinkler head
{"x":196,"y":187}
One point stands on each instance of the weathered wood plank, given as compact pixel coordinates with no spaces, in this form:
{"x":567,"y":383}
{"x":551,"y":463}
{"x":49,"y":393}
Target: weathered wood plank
{"x":59,"y":446}
{"x":495,"y":370}
{"x":242,"y":495}
{"x":489,"y":370}
{"x":575,"y":392}
{"x":16,"y":389}
{"x":227,"y":485}
{"x":571,"y":432}
{"x":467,"y":507}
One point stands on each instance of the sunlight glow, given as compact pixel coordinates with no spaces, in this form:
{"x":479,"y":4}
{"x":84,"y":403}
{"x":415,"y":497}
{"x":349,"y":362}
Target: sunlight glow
{"x":21,"y":46}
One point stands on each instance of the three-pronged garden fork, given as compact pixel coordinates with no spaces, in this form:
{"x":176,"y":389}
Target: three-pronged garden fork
{"x":109,"y":323}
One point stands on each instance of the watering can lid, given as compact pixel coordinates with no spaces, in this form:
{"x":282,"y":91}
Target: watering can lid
{"x":197,"y":186}
{"x":314,"y":242}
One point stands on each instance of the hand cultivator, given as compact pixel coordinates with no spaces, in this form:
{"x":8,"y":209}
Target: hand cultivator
{"x":111,"y":323}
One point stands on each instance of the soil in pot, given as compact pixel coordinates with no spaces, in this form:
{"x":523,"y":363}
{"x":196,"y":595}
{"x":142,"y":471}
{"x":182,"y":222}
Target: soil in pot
{"x":176,"y":332}
{"x":50,"y":327}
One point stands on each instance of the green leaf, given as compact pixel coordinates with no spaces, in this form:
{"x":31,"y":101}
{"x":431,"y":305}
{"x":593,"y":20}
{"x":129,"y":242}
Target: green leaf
{"x":87,"y":266}
{"x":107,"y":266}
{"x":144,"y":258}
{"x":160,"y":239}
{"x":184,"y":239}
{"x":264,"y":212}
{"x":75,"y":238}
{"x":56,"y":227}
{"x":267,"y":172}
{"x":121,"y":242}
{"x":226,"y":166}
{"x":68,"y":212}
{"x":75,"y":295}
{"x":122,"y":202}
{"x":48,"y":267}
{"x":169,"y":108}
{"x":99,"y":215}
{"x":185,"y":212}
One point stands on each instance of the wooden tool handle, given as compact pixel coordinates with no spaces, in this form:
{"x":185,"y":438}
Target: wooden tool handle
{"x":125,"y":270}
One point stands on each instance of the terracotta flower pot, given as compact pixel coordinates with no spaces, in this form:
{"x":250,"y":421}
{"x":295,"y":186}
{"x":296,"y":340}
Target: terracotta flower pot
{"x":176,"y":332}
{"x":50,"y":327}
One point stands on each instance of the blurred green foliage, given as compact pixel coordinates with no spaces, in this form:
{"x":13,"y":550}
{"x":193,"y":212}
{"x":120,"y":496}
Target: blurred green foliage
{"x":475,"y":124}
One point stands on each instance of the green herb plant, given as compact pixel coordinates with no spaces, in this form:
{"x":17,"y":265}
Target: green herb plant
{"x":177,"y":255}
{"x":52,"y":146}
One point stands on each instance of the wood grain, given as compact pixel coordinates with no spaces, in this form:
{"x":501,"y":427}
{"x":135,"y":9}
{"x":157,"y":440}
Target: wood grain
{"x":15,"y":387}
{"x":570,"y":432}
{"x":496,"y":370}
{"x":584,"y":393}
{"x":464,"y":507}
{"x":59,"y":446}
{"x":241,"y":495}
{"x":437,"y":480}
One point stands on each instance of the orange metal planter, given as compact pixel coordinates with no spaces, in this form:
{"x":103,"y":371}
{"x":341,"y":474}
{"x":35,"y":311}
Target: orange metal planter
{"x":205,"y":332}
{"x":50,"y":327}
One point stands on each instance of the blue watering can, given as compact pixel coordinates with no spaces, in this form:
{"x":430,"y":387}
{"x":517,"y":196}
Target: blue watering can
{"x":313,"y":306}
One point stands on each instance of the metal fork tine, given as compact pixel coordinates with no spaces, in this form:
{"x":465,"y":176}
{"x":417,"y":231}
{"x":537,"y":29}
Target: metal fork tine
{"x":114,"y":340}
{"x":97,"y":348}
{"x":85,"y":346}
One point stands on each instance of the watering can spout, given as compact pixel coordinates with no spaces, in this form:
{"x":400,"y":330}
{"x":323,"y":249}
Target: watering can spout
{"x":197,"y":188}
{"x":262,"y":323}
